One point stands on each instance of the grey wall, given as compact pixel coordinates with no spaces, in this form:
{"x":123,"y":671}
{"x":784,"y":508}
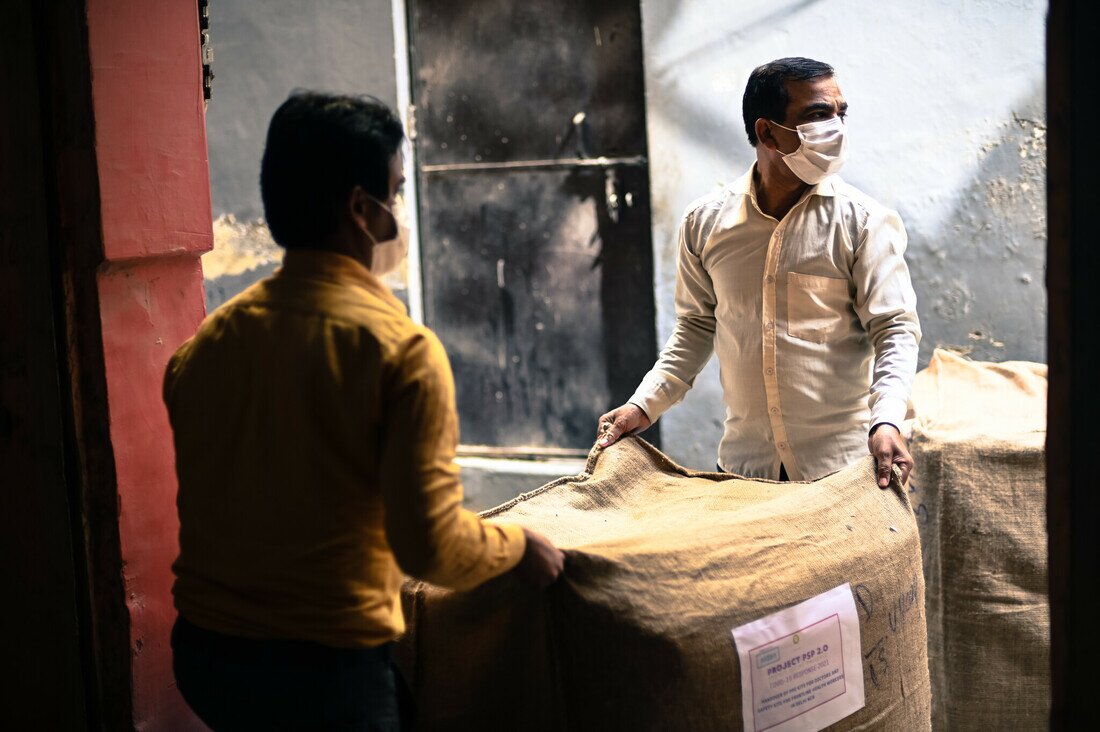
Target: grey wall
{"x":262,"y":52}
{"x":947,"y":126}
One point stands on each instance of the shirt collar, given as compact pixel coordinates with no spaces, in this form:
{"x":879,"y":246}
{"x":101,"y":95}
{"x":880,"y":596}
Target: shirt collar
{"x":337,"y":268}
{"x":744,"y":185}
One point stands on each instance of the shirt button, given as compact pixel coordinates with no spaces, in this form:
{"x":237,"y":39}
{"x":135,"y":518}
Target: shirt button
{"x":782,"y":445}
{"x":769,"y":325}
{"x":770,"y":279}
{"x":775,"y":410}
{"x":770,"y":371}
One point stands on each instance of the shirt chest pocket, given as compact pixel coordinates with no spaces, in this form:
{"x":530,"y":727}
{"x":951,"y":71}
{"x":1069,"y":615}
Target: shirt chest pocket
{"x":817,"y":307}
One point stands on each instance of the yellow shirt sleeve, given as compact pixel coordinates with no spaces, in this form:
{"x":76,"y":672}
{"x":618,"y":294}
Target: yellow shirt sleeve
{"x":432,"y":537}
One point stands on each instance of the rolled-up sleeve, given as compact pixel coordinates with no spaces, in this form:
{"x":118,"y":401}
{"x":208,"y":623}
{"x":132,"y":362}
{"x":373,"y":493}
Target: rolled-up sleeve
{"x":887,"y":307}
{"x":432,"y":537}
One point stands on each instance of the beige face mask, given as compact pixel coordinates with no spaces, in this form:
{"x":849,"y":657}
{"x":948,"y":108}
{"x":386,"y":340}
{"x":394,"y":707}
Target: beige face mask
{"x":388,"y":254}
{"x":823,"y":150}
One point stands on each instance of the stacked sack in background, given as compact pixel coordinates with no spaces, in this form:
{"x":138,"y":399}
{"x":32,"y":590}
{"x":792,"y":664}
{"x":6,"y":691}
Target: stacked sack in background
{"x":662,"y":563}
{"x":980,"y":501}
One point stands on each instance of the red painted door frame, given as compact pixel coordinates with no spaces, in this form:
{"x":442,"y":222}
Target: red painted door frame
{"x":153,"y":175}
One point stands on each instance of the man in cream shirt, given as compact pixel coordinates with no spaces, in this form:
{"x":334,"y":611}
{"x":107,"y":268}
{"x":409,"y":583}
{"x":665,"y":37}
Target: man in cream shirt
{"x":798,"y":282}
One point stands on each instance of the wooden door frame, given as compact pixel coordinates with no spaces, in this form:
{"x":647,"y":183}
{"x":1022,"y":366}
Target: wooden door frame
{"x":125,"y":179}
{"x":1073,"y":415}
{"x":402,"y":67}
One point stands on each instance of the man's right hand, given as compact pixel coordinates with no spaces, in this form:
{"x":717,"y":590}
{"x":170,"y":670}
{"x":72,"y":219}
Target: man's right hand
{"x":626,"y":420}
{"x":542,"y":562}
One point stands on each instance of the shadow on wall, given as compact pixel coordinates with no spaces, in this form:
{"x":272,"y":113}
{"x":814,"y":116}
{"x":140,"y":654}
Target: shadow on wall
{"x":661,"y":16}
{"x":980,"y":277}
{"x":978,"y":269}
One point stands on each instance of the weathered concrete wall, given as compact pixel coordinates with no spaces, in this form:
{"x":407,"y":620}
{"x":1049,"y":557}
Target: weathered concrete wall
{"x":947,"y":126}
{"x":262,"y":52}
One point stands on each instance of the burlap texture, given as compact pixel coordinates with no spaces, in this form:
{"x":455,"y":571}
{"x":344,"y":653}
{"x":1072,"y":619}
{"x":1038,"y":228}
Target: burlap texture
{"x":662,"y":563}
{"x":979,"y":493}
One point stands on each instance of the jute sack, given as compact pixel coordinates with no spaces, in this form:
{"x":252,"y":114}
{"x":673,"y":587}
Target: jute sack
{"x":662,"y":562}
{"x":979,"y":488}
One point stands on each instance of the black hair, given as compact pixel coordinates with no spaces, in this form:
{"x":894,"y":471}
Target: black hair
{"x":319,"y":147}
{"x":766,"y":93}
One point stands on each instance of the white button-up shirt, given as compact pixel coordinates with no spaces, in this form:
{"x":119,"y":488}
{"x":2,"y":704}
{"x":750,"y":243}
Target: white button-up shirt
{"x":798,"y":311}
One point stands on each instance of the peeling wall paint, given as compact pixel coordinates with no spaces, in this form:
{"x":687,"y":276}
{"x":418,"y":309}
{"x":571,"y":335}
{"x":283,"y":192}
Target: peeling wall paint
{"x":981,"y":284}
{"x":243,"y":253}
{"x":240,"y":246}
{"x":947,"y":126}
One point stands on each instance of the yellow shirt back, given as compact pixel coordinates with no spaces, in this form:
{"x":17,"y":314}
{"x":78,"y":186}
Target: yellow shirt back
{"x":315,"y":431}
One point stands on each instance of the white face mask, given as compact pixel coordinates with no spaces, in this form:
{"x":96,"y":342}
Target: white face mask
{"x":388,"y":255}
{"x":823,"y":150}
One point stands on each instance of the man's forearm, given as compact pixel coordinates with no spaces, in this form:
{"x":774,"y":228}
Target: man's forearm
{"x":683,"y":357}
{"x":435,"y":539}
{"x":895,"y":368}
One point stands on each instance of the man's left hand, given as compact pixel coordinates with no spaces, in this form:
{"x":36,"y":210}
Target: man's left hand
{"x":889,"y":449}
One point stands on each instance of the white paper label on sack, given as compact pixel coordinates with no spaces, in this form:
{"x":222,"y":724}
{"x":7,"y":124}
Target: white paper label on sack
{"x":801,"y":667}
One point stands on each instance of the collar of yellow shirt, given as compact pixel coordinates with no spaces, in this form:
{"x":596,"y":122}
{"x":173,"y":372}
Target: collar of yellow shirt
{"x":338,"y":268}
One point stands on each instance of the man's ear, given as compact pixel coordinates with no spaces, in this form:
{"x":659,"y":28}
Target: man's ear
{"x":359,"y":208}
{"x":764,"y":134}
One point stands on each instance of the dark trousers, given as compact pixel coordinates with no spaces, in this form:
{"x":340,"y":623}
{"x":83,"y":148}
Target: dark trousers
{"x":235,"y":683}
{"x":782,"y":471}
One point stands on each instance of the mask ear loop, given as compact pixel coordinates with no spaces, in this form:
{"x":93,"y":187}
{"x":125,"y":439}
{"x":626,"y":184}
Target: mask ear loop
{"x":800,"y":140}
{"x":393,"y":217}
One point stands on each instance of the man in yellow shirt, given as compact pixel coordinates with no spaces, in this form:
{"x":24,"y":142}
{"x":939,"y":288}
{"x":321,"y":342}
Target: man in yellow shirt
{"x":315,"y":432}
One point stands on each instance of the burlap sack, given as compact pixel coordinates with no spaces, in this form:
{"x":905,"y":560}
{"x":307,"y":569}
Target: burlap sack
{"x":979,"y":493}
{"x":662,"y":563}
